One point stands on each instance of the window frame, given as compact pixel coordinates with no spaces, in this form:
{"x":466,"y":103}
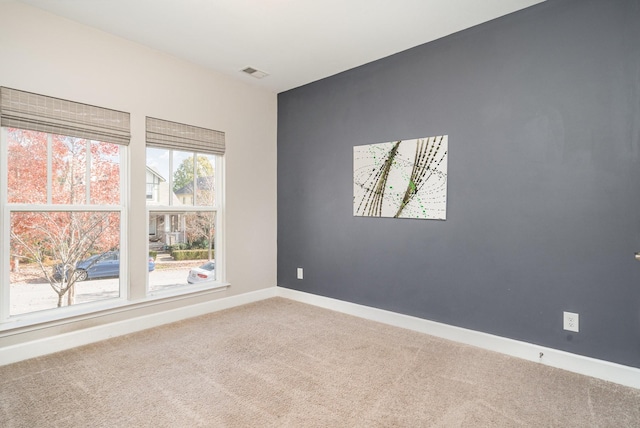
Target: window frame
{"x":216,"y":208}
{"x":8,"y":321}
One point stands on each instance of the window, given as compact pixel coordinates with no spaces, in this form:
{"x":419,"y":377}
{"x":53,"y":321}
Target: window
{"x":62,"y":209}
{"x":184,"y":214}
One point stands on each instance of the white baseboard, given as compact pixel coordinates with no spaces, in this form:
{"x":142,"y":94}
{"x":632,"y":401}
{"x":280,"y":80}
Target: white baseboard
{"x":49,"y":345}
{"x":612,"y":372}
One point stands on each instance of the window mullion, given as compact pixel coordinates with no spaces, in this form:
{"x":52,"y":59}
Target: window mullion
{"x":195,"y":179}
{"x":87,"y":173}
{"x":5,"y":253}
{"x":5,"y":261}
{"x":64,"y":208}
{"x":49,"y":169}
{"x":219,"y":208}
{"x":170,"y":178}
{"x":124,"y":225}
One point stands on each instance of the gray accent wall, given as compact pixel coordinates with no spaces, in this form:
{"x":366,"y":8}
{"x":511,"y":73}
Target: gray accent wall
{"x":542,"y":109}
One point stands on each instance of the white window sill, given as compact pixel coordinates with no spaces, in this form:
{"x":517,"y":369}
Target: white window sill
{"x":59,"y":316}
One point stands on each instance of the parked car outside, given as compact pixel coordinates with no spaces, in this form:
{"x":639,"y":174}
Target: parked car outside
{"x":105,"y":265}
{"x":206,"y":272}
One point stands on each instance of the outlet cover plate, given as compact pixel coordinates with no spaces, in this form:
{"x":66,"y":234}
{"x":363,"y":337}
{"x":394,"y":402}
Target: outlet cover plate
{"x":300,"y":273}
{"x":571,"y":321}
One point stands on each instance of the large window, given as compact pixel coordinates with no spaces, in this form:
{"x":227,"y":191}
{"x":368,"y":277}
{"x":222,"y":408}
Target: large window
{"x":62,"y":212}
{"x":64,"y":208}
{"x":183,"y":179}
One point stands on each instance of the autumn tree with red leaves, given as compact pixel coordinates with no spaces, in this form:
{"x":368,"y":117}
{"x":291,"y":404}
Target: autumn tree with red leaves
{"x":61,"y":172}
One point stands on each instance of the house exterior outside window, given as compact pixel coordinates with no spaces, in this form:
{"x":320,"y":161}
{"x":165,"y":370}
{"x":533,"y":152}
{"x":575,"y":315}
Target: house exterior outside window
{"x":153,"y":181}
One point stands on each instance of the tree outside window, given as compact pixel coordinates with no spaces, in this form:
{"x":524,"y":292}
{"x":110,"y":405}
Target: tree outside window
{"x":63,"y":195}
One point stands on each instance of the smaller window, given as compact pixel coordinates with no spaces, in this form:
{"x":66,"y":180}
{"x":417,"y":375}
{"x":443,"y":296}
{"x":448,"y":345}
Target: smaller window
{"x":183,"y":219}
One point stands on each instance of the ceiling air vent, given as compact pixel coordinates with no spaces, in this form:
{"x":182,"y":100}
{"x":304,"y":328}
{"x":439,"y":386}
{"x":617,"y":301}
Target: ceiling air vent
{"x":255,"y":72}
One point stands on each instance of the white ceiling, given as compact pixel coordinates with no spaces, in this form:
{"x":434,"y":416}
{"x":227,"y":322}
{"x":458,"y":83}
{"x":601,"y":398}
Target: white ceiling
{"x":295,"y":41}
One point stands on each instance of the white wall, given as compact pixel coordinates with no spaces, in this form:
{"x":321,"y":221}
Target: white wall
{"x":42,"y":53}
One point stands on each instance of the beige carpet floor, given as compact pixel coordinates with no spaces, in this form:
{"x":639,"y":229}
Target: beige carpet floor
{"x":279,"y":363}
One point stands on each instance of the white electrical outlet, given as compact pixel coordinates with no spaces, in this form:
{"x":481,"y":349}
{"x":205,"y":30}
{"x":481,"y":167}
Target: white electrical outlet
{"x":571,"y":321}
{"x":300,"y":273}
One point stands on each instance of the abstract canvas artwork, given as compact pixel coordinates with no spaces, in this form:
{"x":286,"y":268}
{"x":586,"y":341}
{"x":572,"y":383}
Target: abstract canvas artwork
{"x":401,"y":179}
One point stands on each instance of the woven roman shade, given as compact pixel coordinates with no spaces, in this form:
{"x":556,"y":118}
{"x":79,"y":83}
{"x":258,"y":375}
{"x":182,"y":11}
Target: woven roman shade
{"x":178,"y":136}
{"x":25,"y":110}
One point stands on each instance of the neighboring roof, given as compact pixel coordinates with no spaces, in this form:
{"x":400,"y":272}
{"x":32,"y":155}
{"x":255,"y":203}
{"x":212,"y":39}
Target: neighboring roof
{"x":155,"y":172}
